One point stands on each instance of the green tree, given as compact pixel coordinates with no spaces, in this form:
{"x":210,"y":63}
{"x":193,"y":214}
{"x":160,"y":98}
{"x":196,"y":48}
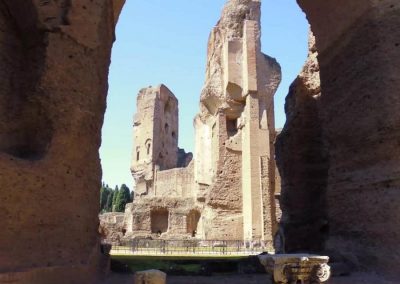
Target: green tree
{"x":104,"y":193}
{"x":114,"y":201}
{"x":123,"y":197}
{"x":109,"y":203}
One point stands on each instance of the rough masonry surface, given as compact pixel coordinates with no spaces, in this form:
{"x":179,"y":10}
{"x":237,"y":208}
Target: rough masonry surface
{"x":227,"y":191}
{"x":54,"y":58}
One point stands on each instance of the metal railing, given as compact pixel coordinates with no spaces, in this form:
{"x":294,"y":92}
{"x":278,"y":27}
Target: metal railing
{"x":190,"y":247}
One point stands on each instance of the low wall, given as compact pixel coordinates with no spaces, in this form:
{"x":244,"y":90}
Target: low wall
{"x":177,"y":182}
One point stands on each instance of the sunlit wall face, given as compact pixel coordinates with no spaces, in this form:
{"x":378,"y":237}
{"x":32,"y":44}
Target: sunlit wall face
{"x":166,"y":42}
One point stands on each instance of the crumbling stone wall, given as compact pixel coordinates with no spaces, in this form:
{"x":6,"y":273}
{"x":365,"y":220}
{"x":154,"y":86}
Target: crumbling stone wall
{"x":139,"y":215}
{"x":155,"y":130}
{"x":358,"y":55}
{"x":235,"y":128}
{"x":232,"y":177}
{"x":176,"y":182}
{"x":54,"y":60}
{"x":112,"y":227}
{"x":161,"y":170}
{"x":303,"y":162}
{"x":224,"y":195}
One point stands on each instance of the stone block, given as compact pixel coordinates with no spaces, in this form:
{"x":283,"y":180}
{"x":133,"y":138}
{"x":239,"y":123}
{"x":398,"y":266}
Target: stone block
{"x":152,"y":276}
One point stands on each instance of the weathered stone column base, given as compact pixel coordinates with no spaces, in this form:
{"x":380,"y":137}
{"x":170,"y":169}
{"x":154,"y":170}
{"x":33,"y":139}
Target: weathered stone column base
{"x":291,"y":268}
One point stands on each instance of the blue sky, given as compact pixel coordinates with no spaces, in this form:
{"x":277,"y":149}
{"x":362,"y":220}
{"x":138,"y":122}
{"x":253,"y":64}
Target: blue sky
{"x":162,"y":41}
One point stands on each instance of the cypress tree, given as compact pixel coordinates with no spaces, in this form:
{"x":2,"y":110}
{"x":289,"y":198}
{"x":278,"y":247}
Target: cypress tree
{"x":123,"y":197}
{"x":104,"y":192}
{"x":114,"y":201}
{"x":108,"y":207}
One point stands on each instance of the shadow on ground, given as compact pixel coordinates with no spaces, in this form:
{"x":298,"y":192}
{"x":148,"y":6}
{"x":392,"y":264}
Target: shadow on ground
{"x":358,"y":278}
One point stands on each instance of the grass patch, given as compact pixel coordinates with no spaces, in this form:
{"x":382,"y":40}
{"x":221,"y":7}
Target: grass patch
{"x":178,"y":265}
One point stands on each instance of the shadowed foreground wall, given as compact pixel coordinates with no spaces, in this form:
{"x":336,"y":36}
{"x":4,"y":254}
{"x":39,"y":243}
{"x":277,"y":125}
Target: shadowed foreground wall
{"x":356,"y":123}
{"x":54,"y":59}
{"x":302,"y":161}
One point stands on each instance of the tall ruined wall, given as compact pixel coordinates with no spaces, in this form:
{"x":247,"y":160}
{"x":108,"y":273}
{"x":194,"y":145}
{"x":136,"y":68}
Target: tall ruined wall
{"x":166,"y":127}
{"x":358,"y":46}
{"x":143,"y":132}
{"x":163,"y":173}
{"x":155,"y":131}
{"x":302,"y":161}
{"x":224,"y":197}
{"x":234,"y":164}
{"x":54,"y":60}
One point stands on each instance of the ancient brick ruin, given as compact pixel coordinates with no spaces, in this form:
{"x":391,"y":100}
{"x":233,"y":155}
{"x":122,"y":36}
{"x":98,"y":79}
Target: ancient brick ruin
{"x":54,"y":59}
{"x":227,"y":192}
{"x":338,"y":153}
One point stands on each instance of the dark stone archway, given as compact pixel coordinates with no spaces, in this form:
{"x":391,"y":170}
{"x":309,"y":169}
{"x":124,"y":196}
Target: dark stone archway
{"x":54,"y":64}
